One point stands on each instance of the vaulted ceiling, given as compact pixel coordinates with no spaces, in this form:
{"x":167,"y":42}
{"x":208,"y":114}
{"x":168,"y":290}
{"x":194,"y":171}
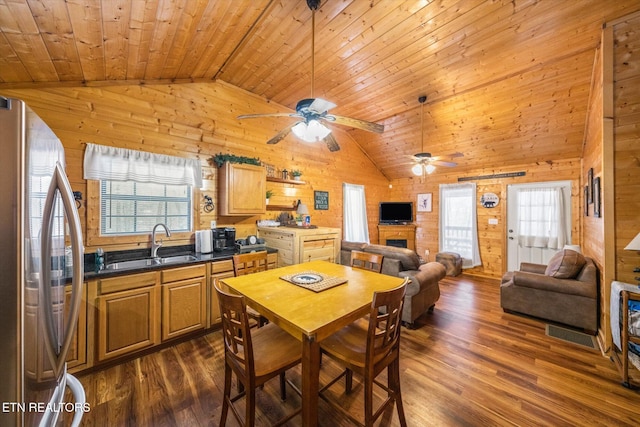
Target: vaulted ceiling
{"x":507,"y":81}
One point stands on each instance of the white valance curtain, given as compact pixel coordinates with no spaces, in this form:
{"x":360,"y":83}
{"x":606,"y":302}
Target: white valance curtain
{"x":102,"y":162}
{"x":542,"y":218}
{"x":356,"y":228}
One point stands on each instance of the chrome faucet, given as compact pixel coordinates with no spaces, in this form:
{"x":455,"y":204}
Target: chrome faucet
{"x":154,"y":244}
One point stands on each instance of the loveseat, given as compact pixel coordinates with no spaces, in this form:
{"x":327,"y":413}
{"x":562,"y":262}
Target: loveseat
{"x":422,"y":291}
{"x":564,"y":291}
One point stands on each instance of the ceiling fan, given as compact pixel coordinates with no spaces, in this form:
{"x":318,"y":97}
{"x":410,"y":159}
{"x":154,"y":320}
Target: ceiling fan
{"x":425,"y":162}
{"x":313,"y":113}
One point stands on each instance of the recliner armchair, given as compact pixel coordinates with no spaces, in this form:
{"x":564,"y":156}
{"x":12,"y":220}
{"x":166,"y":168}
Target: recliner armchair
{"x":565,"y":291}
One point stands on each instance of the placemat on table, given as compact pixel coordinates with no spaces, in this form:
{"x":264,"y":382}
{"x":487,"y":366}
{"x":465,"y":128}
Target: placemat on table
{"x":313,"y":280}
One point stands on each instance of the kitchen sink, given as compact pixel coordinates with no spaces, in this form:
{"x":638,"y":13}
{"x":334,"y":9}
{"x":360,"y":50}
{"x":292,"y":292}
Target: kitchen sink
{"x":134,"y":263}
{"x":147,"y":262}
{"x":177,"y":258}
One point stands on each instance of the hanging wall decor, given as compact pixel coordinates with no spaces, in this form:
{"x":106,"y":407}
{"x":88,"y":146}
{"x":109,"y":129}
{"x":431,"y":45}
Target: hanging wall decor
{"x":596,"y":197}
{"x":489,"y":200}
{"x":586,"y":202}
{"x":590,"y":184}
{"x":424,"y":202}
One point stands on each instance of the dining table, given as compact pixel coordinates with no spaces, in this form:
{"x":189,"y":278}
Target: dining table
{"x":294,"y":298}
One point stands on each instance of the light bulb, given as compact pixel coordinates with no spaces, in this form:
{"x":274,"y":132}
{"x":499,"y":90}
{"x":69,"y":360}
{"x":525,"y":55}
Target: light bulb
{"x":429,"y":168}
{"x":417,"y":169}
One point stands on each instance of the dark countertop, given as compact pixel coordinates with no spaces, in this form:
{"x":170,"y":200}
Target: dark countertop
{"x":118,"y":256}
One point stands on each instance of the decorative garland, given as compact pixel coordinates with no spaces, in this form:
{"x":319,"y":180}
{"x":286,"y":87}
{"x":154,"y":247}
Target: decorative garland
{"x":219,"y":159}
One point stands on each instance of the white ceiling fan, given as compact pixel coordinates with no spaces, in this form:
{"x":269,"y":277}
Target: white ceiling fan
{"x":314,"y":112}
{"x":424,"y":161}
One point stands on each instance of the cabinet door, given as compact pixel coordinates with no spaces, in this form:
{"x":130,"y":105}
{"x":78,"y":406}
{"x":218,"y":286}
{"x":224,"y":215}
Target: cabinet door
{"x":183,"y":307}
{"x":78,"y":352}
{"x":127,"y":321}
{"x":242,"y":189}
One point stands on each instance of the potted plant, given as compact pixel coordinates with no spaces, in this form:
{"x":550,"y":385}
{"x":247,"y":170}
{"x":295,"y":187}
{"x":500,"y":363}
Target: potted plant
{"x":268,"y":195}
{"x":296,"y":174}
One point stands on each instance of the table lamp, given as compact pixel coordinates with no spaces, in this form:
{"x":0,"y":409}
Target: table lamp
{"x":302,"y":211}
{"x":634,"y":245}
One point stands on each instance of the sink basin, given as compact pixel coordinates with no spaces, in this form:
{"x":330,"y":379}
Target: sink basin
{"x":147,"y":262}
{"x":177,"y":258}
{"x":135,"y":263}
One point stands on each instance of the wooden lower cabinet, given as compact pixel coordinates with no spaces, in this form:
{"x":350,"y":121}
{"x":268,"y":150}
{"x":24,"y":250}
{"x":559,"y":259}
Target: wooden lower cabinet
{"x":128,"y":314}
{"x":184,"y":300}
{"x":78,"y":352}
{"x":125,"y":314}
{"x":298,"y":245}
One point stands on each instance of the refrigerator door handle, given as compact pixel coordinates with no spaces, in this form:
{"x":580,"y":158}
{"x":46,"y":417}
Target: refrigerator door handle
{"x":60,"y":182}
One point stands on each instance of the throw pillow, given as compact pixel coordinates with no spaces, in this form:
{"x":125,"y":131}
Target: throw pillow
{"x":566,"y":264}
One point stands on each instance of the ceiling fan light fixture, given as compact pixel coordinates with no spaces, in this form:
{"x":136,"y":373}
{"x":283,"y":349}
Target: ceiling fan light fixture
{"x":312,"y":131}
{"x":429,"y":168}
{"x":417,"y":169}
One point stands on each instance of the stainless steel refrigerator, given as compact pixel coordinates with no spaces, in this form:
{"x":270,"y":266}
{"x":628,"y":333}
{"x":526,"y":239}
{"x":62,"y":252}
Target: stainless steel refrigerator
{"x":40,"y":287}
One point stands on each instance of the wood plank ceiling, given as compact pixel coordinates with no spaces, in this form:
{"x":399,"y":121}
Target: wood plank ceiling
{"x":507,"y":81}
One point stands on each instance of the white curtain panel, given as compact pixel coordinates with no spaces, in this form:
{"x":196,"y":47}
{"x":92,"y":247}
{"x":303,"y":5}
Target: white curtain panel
{"x":356,"y":228}
{"x":102,"y":162}
{"x":459,"y":223}
{"x":542,"y":218}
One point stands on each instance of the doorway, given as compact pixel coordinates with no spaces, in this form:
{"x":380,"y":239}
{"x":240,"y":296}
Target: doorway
{"x":523,"y":207}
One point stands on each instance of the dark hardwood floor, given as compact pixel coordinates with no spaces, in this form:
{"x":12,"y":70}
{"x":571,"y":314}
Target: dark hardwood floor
{"x":466,"y":364}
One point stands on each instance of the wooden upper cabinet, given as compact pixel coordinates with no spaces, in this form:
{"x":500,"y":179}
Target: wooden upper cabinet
{"x":241,"y":190}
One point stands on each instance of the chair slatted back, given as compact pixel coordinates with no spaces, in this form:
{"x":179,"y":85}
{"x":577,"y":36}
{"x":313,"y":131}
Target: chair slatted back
{"x":367,"y":261}
{"x":235,"y":329}
{"x":251,"y":262}
{"x":384,"y":328}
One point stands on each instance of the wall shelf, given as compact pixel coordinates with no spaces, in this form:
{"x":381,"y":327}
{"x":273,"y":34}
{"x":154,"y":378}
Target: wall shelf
{"x":284,"y":181}
{"x":281,"y":207}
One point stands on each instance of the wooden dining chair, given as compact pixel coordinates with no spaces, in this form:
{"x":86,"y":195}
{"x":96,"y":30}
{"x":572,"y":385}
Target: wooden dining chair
{"x":247,"y":263}
{"x":367,"y":347}
{"x":367,"y":261}
{"x":254,"y":356}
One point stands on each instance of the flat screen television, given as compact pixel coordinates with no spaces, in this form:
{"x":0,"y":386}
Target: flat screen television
{"x":396,"y":212}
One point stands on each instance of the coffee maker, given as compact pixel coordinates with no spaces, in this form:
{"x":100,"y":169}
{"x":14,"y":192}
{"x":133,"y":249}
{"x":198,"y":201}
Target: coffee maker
{"x":230,"y":237}
{"x":224,"y":238}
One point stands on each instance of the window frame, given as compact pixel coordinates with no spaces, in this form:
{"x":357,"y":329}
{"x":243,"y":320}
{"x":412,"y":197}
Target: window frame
{"x":92,"y":227}
{"x":137,"y":199}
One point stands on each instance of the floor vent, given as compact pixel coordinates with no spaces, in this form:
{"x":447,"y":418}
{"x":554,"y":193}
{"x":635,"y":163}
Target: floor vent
{"x":572,"y":336}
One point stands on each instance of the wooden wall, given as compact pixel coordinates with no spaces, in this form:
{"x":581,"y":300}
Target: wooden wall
{"x":198,"y":120}
{"x":492,"y":238}
{"x":626,"y":124}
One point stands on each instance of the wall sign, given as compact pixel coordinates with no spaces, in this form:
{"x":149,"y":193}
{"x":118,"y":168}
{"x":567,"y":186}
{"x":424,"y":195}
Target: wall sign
{"x":321,"y":200}
{"x":489,"y":200}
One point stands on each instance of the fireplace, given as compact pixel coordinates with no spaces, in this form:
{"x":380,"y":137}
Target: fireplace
{"x":398,"y":243}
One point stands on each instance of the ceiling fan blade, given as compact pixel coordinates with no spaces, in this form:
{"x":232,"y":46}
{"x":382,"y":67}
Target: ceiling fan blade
{"x":280,"y":135}
{"x":253,"y":116}
{"x":443,"y":163}
{"x":331,"y":143}
{"x":320,"y":106}
{"x":355,"y":123}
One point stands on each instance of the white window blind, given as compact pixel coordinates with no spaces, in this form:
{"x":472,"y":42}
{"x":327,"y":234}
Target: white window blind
{"x":356,"y":228}
{"x":102,"y":162}
{"x":458,"y":222}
